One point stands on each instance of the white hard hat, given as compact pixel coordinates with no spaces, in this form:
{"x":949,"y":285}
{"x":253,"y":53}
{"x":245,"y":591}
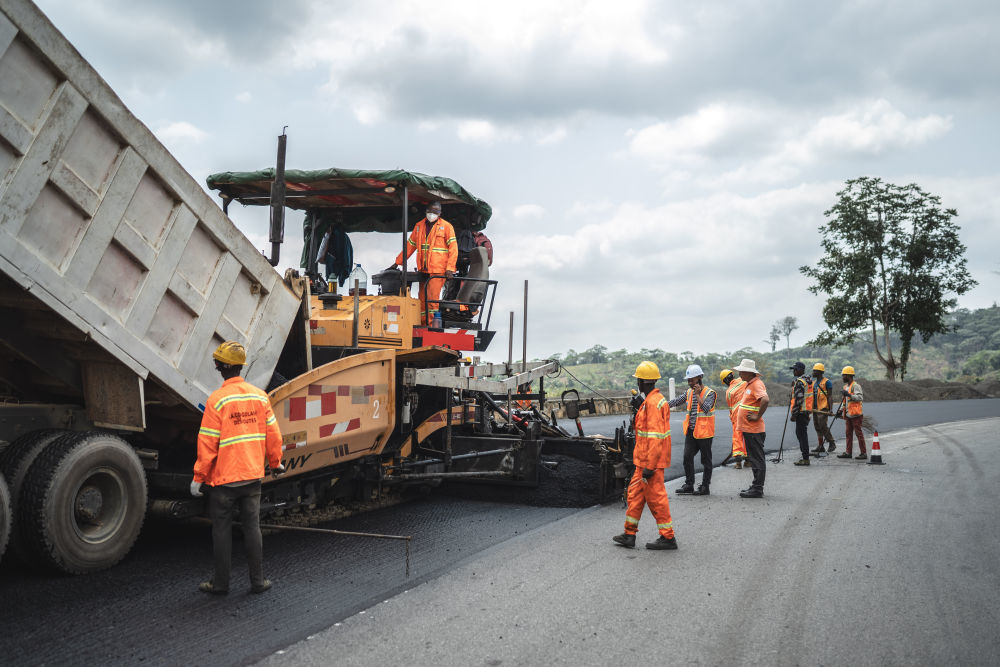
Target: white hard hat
{"x":693,"y":371}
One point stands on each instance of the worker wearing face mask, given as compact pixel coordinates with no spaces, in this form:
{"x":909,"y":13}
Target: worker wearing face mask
{"x":433,"y":239}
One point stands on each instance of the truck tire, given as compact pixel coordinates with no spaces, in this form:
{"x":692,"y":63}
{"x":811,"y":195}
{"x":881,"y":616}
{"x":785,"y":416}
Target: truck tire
{"x":5,"y":516}
{"x":83,"y":502}
{"x":15,"y":461}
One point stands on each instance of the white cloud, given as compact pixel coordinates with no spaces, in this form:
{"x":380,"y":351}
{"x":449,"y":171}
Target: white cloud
{"x":483,"y":132}
{"x":180,"y":131}
{"x":870,"y":128}
{"x":244,"y":97}
{"x":529,"y":211}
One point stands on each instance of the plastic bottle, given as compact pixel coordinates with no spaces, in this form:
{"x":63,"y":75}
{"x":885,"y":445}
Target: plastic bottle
{"x":436,"y":322}
{"x":357,"y":273}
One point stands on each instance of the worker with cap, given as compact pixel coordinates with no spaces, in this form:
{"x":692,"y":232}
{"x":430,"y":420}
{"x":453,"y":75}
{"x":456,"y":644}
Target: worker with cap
{"x":821,"y":389}
{"x":734,"y":392}
{"x":853,"y":414}
{"x":650,"y":456}
{"x":799,"y":410}
{"x":433,"y":239}
{"x":699,"y":429}
{"x":750,"y":422}
{"x":238,"y":435}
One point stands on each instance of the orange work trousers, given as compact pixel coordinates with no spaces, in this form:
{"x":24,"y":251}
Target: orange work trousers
{"x":430,"y":289}
{"x":653,"y":493}
{"x":739,"y":447}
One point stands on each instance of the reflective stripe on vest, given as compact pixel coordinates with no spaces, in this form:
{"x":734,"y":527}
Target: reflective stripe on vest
{"x":807,"y":402}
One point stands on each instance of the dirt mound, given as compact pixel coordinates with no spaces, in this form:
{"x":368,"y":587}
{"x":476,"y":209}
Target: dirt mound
{"x":882,"y":391}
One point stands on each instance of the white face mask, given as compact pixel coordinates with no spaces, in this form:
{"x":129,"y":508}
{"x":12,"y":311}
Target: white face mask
{"x":432,"y":217}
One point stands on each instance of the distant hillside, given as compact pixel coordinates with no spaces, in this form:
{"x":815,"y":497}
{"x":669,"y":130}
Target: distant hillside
{"x":970,"y":354}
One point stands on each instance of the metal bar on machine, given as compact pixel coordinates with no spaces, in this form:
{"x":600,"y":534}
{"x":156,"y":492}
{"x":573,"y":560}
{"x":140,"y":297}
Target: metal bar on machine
{"x":457,"y":457}
{"x":524,"y":331}
{"x":449,"y":475}
{"x":481,"y":377}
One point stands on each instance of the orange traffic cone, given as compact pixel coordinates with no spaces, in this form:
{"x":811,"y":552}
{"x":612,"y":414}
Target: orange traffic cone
{"x":876,"y":457}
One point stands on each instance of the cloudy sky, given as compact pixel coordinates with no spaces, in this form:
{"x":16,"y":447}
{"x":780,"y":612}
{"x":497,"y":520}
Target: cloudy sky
{"x":658,"y":170}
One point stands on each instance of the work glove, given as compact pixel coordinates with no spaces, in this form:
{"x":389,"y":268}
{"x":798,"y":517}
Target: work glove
{"x":196,"y":489}
{"x":280,"y":470}
{"x":647,"y":473}
{"x":845,"y":392}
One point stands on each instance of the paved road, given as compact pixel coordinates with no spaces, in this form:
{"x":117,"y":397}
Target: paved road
{"x":147,"y":609}
{"x":841,"y":563}
{"x":888,"y":417}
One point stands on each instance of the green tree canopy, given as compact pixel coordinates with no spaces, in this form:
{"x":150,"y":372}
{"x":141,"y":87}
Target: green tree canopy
{"x":893,"y":260}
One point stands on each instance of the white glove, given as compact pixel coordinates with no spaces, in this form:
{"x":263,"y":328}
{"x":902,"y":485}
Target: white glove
{"x":196,"y":489}
{"x":280,"y":470}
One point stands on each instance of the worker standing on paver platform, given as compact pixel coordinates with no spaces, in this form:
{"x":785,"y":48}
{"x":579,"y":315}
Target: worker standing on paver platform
{"x":239,"y":432}
{"x":750,"y":422}
{"x":650,"y":456}
{"x":799,"y":410}
{"x":734,"y":392}
{"x":853,"y":414}
{"x":699,"y":429}
{"x":433,"y":239}
{"x":822,"y":389}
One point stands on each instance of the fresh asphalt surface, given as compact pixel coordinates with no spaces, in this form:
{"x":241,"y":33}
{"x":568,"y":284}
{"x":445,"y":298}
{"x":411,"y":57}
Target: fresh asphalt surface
{"x":841,"y":563}
{"x":147,"y":608}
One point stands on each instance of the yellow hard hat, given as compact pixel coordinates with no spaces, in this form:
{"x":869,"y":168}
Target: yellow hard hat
{"x":819,"y":367}
{"x":231,"y":353}
{"x":848,"y":370}
{"x":726,"y":372}
{"x":647,"y":370}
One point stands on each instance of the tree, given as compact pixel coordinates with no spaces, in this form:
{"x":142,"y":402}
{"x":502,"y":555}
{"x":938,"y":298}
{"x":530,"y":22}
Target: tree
{"x":892,"y":258}
{"x":786,"y":326}
{"x":773,"y":337}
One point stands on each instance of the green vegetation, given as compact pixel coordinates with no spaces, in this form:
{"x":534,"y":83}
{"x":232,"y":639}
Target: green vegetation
{"x":893,"y":261}
{"x":968,"y":352}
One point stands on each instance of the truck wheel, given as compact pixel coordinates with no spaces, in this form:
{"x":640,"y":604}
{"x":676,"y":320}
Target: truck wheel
{"x":5,"y":515}
{"x":83,"y":502}
{"x":15,"y":461}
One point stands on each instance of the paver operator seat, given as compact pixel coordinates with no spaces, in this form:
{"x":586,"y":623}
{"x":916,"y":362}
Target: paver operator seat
{"x":471,"y":292}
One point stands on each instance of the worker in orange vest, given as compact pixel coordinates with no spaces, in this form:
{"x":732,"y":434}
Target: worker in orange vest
{"x":750,"y":422}
{"x":699,"y":429}
{"x":821,"y":389}
{"x":733,"y":394}
{"x":650,"y":456}
{"x":853,"y":414}
{"x":433,"y":239}
{"x":799,"y":410}
{"x":238,"y":434}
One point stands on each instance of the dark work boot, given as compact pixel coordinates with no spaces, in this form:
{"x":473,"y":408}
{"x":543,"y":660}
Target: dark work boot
{"x":802,"y":462}
{"x":819,"y":448}
{"x":625,"y":540}
{"x":261,"y":587}
{"x":832,"y":447}
{"x":662,"y":543}
{"x":687,"y":489}
{"x":845,"y":455}
{"x":702,"y":490}
{"x":752,"y":493}
{"x":861,"y":457}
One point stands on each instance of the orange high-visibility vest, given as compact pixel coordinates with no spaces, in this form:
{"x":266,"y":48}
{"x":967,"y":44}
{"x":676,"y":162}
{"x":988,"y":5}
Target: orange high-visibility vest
{"x":733,"y":394}
{"x":806,"y":393}
{"x":238,"y":432}
{"x":808,"y":403}
{"x":652,"y":433}
{"x":437,"y":249}
{"x":853,"y":406}
{"x":704,"y":422}
{"x":821,"y":397}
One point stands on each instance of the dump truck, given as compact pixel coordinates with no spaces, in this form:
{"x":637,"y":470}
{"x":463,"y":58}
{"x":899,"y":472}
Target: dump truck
{"x":119,"y":275}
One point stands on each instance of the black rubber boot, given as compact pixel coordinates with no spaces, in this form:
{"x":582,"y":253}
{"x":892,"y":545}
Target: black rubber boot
{"x":662,"y":543}
{"x":625,"y":540}
{"x":687,"y":489}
